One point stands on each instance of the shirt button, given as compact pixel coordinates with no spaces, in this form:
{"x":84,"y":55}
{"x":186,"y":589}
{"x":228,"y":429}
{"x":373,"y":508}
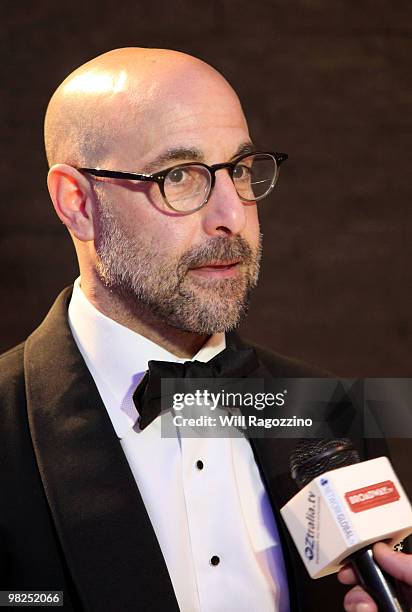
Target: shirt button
{"x":214,"y":560}
{"x":199,"y":465}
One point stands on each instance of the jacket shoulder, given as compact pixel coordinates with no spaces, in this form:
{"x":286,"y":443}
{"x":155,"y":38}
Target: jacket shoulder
{"x":11,"y":365}
{"x":12,"y":388}
{"x":282,"y":366}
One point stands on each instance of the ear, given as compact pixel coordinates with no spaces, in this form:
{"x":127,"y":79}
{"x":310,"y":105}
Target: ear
{"x":72,"y":198}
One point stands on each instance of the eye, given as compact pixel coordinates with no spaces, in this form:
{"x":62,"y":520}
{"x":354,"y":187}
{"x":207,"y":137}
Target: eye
{"x":182,"y":178}
{"x":241,"y":172}
{"x":177,"y":175}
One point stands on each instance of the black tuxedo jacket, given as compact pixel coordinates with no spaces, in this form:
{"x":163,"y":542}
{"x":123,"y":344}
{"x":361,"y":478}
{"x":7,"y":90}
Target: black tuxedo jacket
{"x":71,"y":515}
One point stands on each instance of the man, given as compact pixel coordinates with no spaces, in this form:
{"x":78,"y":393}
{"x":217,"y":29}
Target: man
{"x":96,"y":502}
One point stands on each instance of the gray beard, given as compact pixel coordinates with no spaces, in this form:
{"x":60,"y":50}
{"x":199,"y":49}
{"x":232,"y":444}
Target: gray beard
{"x":141,"y":276}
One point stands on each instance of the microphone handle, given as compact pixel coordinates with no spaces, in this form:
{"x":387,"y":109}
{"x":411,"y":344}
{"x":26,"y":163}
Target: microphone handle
{"x":376,"y":582}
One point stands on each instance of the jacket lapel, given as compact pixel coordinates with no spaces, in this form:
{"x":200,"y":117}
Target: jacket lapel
{"x":100,"y":518}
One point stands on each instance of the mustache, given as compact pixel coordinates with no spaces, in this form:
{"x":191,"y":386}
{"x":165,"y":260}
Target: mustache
{"x":219,"y":249}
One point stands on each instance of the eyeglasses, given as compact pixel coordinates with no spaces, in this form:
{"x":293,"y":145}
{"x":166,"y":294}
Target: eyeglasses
{"x":187,"y":187}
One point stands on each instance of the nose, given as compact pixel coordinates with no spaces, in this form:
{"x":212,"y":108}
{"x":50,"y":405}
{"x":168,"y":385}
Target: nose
{"x":225,"y":213}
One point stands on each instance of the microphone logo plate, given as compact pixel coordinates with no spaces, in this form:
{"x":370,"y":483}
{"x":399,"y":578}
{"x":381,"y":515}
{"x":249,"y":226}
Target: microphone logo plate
{"x":371,"y":496}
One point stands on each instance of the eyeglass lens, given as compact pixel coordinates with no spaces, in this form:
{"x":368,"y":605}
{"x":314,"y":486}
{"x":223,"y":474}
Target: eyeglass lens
{"x":187,"y":187}
{"x":254,"y":176}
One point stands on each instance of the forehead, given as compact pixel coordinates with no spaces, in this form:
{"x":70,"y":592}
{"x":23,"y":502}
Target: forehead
{"x":183,"y":110}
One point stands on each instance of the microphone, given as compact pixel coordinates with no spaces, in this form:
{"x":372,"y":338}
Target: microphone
{"x":343,"y":507}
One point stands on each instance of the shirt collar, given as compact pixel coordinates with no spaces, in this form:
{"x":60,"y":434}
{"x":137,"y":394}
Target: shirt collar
{"x":118,"y":357}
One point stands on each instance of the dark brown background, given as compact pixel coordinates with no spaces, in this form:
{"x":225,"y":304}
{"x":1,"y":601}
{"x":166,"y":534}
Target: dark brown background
{"x":330,"y":82}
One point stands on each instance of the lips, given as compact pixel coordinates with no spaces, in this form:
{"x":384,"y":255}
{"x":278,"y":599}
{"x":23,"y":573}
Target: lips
{"x":220,"y":269}
{"x":217,"y":265}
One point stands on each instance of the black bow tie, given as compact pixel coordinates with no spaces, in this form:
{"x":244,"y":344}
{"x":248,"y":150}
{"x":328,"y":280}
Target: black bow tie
{"x":229,"y":363}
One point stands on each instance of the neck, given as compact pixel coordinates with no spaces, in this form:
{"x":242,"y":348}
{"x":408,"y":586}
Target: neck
{"x":138,"y":318}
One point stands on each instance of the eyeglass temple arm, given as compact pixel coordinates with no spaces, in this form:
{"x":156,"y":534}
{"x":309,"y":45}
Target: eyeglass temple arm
{"x":116,"y":174}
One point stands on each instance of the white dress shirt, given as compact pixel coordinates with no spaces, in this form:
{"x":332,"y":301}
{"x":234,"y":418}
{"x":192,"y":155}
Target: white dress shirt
{"x":212,"y":519}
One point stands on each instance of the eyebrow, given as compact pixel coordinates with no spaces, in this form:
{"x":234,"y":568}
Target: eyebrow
{"x":175,"y":154}
{"x":245,"y":147}
{"x":189,"y":154}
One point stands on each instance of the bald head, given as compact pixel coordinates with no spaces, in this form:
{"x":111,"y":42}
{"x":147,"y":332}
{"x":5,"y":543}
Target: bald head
{"x":143,"y":111}
{"x":116,"y":100}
